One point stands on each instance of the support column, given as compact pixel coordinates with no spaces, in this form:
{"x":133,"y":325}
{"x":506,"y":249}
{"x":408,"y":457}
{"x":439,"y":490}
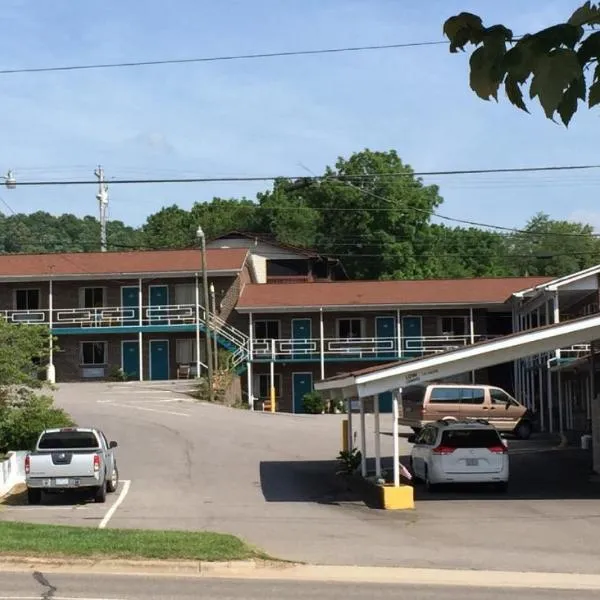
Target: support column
{"x":272,"y":395}
{"x":322,"y":342}
{"x":349,"y":409}
{"x":363,"y":438}
{"x":472,"y":337}
{"x":377,"y":437}
{"x":250,"y":382}
{"x":550,"y":403}
{"x":51,"y":370}
{"x":399,"y":333}
{"x":140,"y":336}
{"x":395,"y":434}
{"x":561,"y":417}
{"x":197,"y":292}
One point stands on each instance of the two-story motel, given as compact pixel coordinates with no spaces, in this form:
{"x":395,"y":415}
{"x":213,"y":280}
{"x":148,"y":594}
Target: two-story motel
{"x":142,"y":312}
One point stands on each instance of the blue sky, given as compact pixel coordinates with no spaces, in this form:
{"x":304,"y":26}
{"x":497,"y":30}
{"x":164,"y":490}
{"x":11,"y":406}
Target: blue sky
{"x":272,"y":116}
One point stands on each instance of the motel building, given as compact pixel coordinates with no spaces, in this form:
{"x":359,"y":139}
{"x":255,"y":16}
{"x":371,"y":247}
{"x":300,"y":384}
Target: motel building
{"x":288,"y":318}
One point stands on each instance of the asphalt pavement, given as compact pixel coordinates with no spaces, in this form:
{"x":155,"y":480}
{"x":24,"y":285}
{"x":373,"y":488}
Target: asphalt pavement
{"x":267,"y":478}
{"x":36,"y":586}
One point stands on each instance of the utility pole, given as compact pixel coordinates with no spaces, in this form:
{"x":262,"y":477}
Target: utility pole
{"x":209,"y":359}
{"x":102,"y":197}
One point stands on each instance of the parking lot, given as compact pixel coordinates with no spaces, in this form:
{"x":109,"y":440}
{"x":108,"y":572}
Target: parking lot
{"x":268,"y":478}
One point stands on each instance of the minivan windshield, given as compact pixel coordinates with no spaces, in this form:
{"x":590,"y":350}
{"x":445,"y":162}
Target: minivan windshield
{"x":65,"y":440}
{"x":470,"y":438}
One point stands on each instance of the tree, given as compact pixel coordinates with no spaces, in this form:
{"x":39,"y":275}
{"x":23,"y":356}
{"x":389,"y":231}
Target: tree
{"x":371,"y":210}
{"x":561,"y":62}
{"x":170,"y":227}
{"x":553,"y":248}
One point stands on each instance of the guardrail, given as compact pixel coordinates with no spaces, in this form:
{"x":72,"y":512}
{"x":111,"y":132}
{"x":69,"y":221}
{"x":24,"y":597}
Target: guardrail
{"x":281,"y":349}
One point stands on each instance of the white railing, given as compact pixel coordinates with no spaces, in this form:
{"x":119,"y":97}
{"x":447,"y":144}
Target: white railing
{"x":280,"y":349}
{"x":119,"y":316}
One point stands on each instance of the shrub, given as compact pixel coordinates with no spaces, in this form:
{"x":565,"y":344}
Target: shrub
{"x":313,"y":403}
{"x":22,"y":421}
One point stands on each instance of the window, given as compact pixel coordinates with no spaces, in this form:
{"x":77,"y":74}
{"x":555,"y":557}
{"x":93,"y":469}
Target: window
{"x":27,"y":299}
{"x":185,"y":293}
{"x":185,"y":351}
{"x":456,"y":395}
{"x":266,"y":330}
{"x":93,"y":353}
{"x":472,"y":396}
{"x":500,"y":398}
{"x":454,"y":326}
{"x":350,"y":328}
{"x":92,"y":297}
{"x":471,"y":438}
{"x":68,"y":440}
{"x":264,"y":386}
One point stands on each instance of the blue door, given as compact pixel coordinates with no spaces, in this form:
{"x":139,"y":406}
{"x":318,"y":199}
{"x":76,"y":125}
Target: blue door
{"x":301,"y":336}
{"x":159,"y":300}
{"x":385,"y":328}
{"x":302,"y":384}
{"x":159,"y":360}
{"x":412,"y":332}
{"x":386,"y":402}
{"x":130,"y":359}
{"x":130,"y":303}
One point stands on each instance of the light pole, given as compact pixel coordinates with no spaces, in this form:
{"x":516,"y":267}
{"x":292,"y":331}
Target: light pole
{"x":209,"y":362}
{"x":213,"y":309}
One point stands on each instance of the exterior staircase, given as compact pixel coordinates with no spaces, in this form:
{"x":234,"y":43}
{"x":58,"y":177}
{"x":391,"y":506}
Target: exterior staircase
{"x":228,"y":337}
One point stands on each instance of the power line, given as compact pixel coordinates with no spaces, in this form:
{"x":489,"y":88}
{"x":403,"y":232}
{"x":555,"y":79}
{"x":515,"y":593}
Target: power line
{"x":344,"y":177}
{"x":207,"y":59}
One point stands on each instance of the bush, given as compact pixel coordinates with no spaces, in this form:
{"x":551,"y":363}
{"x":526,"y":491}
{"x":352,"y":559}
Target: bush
{"x":313,"y":403}
{"x":22,"y":420}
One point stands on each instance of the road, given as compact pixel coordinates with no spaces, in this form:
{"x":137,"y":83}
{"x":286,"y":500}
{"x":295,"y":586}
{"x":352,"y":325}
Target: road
{"x":22,"y":586}
{"x":267,"y":479}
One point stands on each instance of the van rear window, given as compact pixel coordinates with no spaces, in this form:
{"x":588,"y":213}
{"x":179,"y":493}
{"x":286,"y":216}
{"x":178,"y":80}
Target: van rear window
{"x":65,"y":440}
{"x":470,"y":438}
{"x":413,"y":395}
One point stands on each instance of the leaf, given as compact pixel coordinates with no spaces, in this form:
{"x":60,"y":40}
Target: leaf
{"x":463,"y":29}
{"x":553,"y":74}
{"x":481,"y":80}
{"x":590,"y":48}
{"x":588,"y":14}
{"x":521,"y":59}
{"x":514,"y":93}
{"x":594,"y":95}
{"x":568,"y":105}
{"x":558,"y":35}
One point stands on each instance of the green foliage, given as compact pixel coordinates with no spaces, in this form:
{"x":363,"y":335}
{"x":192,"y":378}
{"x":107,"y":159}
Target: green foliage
{"x":350,"y":460}
{"x":25,"y":416}
{"x":117,"y":374}
{"x":313,"y":403}
{"x":554,"y":61}
{"x":23,"y":351}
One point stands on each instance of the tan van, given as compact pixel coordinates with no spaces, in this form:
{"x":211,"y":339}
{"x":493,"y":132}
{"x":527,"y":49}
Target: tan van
{"x":427,"y":403}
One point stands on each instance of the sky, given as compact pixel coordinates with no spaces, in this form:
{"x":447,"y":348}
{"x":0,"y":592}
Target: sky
{"x":277,"y":116}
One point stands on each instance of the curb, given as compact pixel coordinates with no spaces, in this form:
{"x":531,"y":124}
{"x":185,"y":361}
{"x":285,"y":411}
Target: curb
{"x":271,"y":570}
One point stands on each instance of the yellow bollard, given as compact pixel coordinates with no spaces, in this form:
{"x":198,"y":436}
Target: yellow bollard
{"x":345,"y":435}
{"x":272,"y":399}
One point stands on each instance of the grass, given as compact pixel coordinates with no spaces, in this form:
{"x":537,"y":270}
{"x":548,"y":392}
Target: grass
{"x":85,"y":542}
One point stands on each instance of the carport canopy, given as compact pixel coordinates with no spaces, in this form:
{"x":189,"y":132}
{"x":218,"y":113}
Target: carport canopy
{"x":394,"y":376}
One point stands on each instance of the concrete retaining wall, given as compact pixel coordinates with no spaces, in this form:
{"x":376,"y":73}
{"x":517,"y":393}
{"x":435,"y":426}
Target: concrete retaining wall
{"x":12,"y":471}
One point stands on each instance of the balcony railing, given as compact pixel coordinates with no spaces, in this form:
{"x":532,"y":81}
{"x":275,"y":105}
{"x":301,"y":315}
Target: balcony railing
{"x":357,"y":348}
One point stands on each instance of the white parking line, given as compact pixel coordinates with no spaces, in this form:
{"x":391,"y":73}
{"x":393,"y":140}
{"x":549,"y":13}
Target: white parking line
{"x":156,"y":410}
{"x":111,"y":511}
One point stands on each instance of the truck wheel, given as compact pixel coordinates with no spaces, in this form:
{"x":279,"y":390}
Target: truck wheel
{"x":34,"y":496}
{"x":100,"y":495}
{"x":113,"y":482}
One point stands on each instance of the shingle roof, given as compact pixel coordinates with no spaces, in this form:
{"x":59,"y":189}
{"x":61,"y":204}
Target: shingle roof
{"x":383,"y":293}
{"x":80,"y":264}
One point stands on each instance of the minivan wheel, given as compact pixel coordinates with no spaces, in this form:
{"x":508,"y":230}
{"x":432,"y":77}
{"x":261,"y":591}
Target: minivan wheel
{"x":523,"y":430}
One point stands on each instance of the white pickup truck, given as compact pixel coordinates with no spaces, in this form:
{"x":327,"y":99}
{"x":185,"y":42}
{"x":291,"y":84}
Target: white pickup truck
{"x":71,"y":458}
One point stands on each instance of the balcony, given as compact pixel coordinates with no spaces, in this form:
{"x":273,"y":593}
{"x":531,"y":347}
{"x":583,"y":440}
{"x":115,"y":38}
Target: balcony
{"x":332,"y":349}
